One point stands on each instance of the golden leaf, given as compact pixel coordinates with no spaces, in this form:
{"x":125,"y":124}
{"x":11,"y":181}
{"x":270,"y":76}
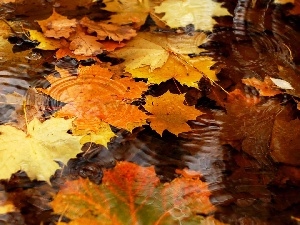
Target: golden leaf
{"x":170,"y":113}
{"x":160,"y":57}
{"x":36,"y":151}
{"x":180,"y":13}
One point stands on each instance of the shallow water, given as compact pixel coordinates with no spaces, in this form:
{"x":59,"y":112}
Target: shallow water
{"x":238,"y":148}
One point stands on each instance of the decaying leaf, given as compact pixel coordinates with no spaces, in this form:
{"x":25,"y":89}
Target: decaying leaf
{"x":160,"y":57}
{"x":57,"y":26}
{"x":131,"y":194}
{"x":35,"y":151}
{"x":107,"y":30}
{"x":169,"y":112}
{"x":93,"y":97}
{"x":180,"y":13}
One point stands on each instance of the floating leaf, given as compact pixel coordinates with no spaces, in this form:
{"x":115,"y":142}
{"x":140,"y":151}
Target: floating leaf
{"x":169,"y":113}
{"x":57,"y":26}
{"x":36,"y":151}
{"x":93,"y":98}
{"x":131,"y":194}
{"x":180,"y":13}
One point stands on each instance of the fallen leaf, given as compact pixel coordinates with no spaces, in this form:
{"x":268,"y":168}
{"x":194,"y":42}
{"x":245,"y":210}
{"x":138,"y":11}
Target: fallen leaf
{"x":129,"y":11}
{"x":169,"y":113}
{"x":35,"y":151}
{"x":265,"y":88}
{"x":180,"y":13}
{"x":160,"y":57}
{"x":57,"y":26}
{"x":107,"y":30}
{"x":283,"y":1}
{"x":282,"y":84}
{"x":131,"y":194}
{"x":86,"y":45}
{"x":45,"y":43}
{"x":93,"y":97}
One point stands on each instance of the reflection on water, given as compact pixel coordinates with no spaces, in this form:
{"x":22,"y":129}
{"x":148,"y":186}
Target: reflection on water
{"x":234,"y":145}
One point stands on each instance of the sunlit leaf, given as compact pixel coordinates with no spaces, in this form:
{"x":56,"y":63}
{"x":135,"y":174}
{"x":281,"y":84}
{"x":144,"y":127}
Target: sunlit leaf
{"x":180,"y":13}
{"x":35,"y":151}
{"x":169,"y":113}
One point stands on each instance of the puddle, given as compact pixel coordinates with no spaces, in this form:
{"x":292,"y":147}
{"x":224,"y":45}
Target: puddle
{"x":246,"y":146}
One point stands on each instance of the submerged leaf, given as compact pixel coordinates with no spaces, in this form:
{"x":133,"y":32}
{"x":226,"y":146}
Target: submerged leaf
{"x":131,"y":194}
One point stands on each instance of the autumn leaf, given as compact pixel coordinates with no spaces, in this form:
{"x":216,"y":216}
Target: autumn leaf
{"x":160,"y":57}
{"x":93,"y":97}
{"x":180,"y":13}
{"x":57,"y":26}
{"x":35,"y":151}
{"x":104,"y":30}
{"x":283,"y":1}
{"x":131,"y":194}
{"x":129,"y":11}
{"x":86,"y":45}
{"x":45,"y":43}
{"x":265,"y":88}
{"x":169,"y":113}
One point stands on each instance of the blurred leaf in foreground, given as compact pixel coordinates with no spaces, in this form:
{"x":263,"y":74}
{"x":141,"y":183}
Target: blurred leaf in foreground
{"x":131,"y":194}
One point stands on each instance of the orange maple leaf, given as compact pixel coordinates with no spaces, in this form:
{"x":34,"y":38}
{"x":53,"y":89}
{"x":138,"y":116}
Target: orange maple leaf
{"x":57,"y":26}
{"x":131,"y":194}
{"x":93,"y":97}
{"x":169,"y":112}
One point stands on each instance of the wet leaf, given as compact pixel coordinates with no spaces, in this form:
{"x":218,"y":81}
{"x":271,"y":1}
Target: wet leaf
{"x":169,"y":113}
{"x":131,"y":194}
{"x":265,"y":88}
{"x":107,"y":30}
{"x":57,"y":26}
{"x":180,"y":13}
{"x":45,"y":43}
{"x":93,"y":98}
{"x":35,"y":151}
{"x":129,"y":11}
{"x":161,"y":57}
{"x":86,"y":45}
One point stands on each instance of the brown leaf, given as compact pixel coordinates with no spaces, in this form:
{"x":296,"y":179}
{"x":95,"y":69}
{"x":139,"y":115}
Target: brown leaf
{"x":111,"y":31}
{"x":265,"y":88}
{"x":57,"y":26}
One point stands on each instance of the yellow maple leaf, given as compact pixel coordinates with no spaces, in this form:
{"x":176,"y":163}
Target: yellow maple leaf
{"x":36,"y":151}
{"x":130,"y":11}
{"x":45,"y":43}
{"x":57,"y":26}
{"x":112,"y":31}
{"x":160,"y":57}
{"x":93,"y":98}
{"x":169,"y":113}
{"x":180,"y":13}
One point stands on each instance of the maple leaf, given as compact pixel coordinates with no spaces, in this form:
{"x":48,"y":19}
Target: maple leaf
{"x":93,"y":97}
{"x":131,"y":194}
{"x":160,"y":57}
{"x":129,"y":11}
{"x":83,"y":44}
{"x":57,"y":26}
{"x":104,"y":30}
{"x":180,"y":13}
{"x":170,"y":113}
{"x":36,"y":151}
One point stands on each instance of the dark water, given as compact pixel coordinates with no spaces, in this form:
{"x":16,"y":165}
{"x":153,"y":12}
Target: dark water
{"x":248,"y":153}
